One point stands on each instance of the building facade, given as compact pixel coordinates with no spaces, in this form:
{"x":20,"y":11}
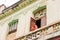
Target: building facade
{"x":31,"y":20}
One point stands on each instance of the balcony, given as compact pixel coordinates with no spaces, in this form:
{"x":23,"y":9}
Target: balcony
{"x":16,"y":7}
{"x":41,"y":32}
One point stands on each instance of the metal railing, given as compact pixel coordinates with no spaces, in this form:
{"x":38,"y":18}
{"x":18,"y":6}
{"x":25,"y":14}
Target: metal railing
{"x":41,"y":32}
{"x":16,"y":7}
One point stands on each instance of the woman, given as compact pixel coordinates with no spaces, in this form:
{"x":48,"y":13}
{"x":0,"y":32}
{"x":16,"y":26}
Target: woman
{"x":34,"y":26}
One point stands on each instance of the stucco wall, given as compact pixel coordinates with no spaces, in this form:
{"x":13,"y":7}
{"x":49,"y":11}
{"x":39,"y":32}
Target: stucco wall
{"x":53,"y":11}
{"x":24,"y":24}
{"x":11,"y":36}
{"x":3,"y":31}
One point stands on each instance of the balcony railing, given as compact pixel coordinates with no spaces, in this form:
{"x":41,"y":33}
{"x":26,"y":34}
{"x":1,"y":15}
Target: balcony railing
{"x":16,"y":7}
{"x":41,"y":32}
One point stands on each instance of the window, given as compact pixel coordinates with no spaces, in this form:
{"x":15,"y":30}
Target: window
{"x":13,"y":25}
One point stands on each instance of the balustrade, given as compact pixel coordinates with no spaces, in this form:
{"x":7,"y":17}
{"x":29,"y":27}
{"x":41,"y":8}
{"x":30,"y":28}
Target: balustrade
{"x":41,"y":32}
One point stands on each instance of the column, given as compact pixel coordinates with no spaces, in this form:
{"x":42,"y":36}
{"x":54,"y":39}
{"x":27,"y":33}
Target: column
{"x":4,"y":31}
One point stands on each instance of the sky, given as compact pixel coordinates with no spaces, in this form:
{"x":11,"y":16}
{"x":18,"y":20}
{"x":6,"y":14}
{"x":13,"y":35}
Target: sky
{"x":8,"y":3}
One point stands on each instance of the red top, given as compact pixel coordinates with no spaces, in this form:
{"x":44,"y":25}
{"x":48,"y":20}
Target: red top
{"x":34,"y":27}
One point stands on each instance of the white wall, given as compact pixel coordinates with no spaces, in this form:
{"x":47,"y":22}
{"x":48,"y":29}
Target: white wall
{"x":3,"y":31}
{"x":21,"y":26}
{"x":24,"y":24}
{"x":27,"y":21}
{"x":11,"y":36}
{"x":52,"y":11}
{"x":58,"y":8}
